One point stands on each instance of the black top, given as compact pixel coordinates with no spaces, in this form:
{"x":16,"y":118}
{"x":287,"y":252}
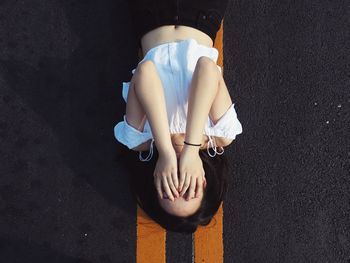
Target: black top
{"x":205,"y":15}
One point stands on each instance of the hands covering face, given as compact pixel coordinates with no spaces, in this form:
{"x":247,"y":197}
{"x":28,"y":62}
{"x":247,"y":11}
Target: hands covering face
{"x":191,"y":179}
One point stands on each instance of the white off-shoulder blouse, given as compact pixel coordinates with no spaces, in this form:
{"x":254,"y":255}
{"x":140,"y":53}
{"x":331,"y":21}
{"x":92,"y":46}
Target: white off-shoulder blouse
{"x":175,"y":63}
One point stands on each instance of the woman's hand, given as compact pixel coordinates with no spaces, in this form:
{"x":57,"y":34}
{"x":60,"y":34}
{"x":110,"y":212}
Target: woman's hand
{"x":191,"y":172}
{"x":165,"y":174}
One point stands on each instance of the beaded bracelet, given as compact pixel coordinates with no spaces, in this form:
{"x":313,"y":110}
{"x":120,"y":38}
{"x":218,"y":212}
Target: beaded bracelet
{"x":192,"y":144}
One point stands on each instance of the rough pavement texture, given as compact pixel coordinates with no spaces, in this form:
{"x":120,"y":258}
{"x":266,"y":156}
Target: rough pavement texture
{"x":64,"y":192}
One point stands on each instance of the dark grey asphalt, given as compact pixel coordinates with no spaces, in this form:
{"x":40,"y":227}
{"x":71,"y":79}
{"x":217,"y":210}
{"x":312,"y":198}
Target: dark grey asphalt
{"x":63,"y":190}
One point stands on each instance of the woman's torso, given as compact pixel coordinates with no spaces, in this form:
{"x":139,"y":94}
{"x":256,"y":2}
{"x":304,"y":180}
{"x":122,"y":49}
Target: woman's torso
{"x":203,"y":15}
{"x":173,"y":33}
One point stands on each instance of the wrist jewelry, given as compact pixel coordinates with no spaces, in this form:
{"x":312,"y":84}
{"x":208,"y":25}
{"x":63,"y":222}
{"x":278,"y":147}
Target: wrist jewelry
{"x":192,"y":144}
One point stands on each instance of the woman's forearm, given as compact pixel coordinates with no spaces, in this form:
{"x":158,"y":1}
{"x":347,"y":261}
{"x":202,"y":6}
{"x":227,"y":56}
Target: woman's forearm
{"x":204,"y":87}
{"x":151,"y":97}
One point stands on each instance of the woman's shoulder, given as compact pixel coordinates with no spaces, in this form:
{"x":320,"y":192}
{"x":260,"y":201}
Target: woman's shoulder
{"x":222,"y":141}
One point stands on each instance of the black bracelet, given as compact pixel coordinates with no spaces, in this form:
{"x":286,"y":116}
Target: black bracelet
{"x":192,"y":144}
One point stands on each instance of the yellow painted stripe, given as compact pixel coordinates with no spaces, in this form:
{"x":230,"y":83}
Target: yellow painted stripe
{"x":218,"y":44}
{"x":150,"y":245}
{"x":208,"y":240}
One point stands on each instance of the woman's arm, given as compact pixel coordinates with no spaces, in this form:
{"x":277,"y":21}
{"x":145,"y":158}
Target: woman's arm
{"x":149,"y":91}
{"x":150,"y":94}
{"x":204,"y":87}
{"x":203,"y":90}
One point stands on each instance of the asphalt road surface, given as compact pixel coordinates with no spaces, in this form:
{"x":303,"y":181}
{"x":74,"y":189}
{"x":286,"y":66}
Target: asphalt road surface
{"x":64,"y":192}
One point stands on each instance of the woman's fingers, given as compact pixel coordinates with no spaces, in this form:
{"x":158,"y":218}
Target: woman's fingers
{"x":199,"y":188}
{"x":167,"y":188}
{"x":158,"y":184}
{"x":204,"y":181}
{"x":186,"y":185}
{"x":182,"y":180}
{"x":192,"y":188}
{"x":175,"y":180}
{"x":172,"y":186}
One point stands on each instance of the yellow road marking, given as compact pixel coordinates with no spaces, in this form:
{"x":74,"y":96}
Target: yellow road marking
{"x":208,"y":240}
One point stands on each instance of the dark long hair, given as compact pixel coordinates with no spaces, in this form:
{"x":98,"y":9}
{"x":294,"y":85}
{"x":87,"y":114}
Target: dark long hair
{"x":141,"y":182}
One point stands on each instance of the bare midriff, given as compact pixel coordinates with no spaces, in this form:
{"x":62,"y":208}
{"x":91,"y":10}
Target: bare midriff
{"x":173,"y":33}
